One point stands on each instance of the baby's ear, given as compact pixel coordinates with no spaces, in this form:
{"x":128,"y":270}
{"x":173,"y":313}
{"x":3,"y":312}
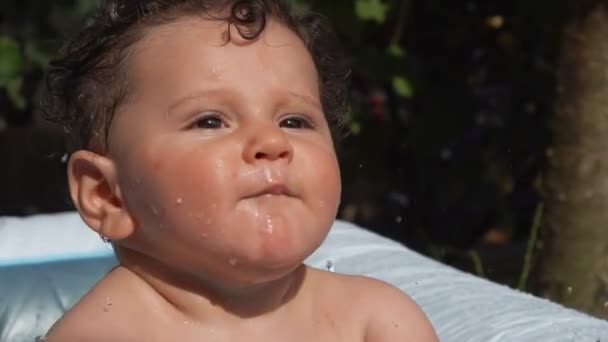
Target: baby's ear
{"x":96,"y":193}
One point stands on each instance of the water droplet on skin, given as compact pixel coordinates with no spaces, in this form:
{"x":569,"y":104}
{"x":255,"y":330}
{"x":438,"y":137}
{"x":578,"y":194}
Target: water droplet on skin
{"x":233,"y":262}
{"x":208,"y":222}
{"x":217,"y":73}
{"x":269,"y":225}
{"x":179,"y":201}
{"x":321,"y":204}
{"x":154,"y":210}
{"x":106,"y":308}
{"x":138,"y":181}
{"x":268,"y":175}
{"x":203,"y":236}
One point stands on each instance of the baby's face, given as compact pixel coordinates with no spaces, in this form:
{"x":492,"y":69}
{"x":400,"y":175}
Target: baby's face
{"x":225,"y":159}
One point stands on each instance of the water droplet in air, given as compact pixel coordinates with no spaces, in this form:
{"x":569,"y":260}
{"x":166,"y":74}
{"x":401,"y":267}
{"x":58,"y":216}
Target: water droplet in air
{"x":570,"y":290}
{"x":360,"y":166}
{"x":398,"y":219}
{"x":64,"y":158}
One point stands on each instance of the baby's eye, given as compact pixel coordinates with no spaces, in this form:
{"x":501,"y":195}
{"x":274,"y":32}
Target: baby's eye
{"x":295,"y":122}
{"x":210,"y":121}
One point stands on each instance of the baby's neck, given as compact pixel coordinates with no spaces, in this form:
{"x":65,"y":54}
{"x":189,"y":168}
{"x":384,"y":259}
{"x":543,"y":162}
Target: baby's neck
{"x":202,"y":300}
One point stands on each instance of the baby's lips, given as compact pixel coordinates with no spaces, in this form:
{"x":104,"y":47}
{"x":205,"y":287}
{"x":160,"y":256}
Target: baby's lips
{"x":271,"y":189}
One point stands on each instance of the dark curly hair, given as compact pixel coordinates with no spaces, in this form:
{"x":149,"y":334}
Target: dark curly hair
{"x":88,"y":81}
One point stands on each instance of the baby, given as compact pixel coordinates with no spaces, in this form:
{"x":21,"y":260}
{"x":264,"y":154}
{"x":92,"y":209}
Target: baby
{"x":203,"y":148}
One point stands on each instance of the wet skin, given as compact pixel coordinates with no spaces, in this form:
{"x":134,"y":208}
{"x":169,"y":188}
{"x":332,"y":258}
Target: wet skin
{"x":220,"y":178}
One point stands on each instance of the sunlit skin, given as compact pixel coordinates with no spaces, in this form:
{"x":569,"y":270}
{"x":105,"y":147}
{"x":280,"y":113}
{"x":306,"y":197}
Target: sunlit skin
{"x":219,"y":179}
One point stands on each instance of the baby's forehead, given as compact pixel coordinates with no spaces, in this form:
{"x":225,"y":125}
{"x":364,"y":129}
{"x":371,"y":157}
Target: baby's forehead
{"x":208,"y":30}
{"x":192,"y":48}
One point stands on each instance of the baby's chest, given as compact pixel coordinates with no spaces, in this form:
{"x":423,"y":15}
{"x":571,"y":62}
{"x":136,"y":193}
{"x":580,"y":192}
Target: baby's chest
{"x":324,"y":328}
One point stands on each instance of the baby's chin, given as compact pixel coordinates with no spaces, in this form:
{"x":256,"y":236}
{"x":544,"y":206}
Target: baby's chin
{"x":284,"y":248}
{"x":269,"y":256}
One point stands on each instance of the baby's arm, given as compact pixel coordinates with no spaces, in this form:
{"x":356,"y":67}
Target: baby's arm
{"x":394,"y":316}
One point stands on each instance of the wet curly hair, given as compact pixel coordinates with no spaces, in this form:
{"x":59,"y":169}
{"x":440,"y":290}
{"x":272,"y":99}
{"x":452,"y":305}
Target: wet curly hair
{"x":87,"y":81}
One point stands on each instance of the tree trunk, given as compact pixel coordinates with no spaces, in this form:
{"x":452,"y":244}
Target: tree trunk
{"x":573,"y":261}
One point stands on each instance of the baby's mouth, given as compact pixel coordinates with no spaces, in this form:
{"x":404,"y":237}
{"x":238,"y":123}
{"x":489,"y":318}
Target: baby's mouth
{"x":272,"y":190}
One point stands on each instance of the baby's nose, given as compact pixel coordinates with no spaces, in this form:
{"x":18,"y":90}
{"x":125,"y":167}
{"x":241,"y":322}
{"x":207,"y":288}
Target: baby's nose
{"x":268,"y":143}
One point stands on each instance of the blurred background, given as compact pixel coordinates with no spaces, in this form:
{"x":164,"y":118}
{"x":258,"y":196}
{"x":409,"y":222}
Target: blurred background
{"x":476,"y":131}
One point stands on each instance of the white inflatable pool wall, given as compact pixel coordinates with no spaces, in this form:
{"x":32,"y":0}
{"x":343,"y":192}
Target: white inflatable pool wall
{"x":462,"y":307}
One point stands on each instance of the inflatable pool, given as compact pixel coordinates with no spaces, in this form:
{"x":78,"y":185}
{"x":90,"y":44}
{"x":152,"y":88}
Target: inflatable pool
{"x":47,"y":262}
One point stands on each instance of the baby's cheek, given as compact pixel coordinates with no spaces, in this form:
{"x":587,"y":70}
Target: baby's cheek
{"x":325,"y":184}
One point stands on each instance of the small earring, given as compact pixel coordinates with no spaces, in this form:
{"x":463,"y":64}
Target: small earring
{"x":104,"y":239}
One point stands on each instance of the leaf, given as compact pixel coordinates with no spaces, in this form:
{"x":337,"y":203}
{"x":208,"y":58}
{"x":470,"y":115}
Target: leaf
{"x":10,"y":59}
{"x":34,"y":54}
{"x":300,"y":6}
{"x":372,"y":10}
{"x":403,"y":87}
{"x":395,"y":50}
{"x":355,"y":127}
{"x":13,"y":88}
{"x":86,"y":7}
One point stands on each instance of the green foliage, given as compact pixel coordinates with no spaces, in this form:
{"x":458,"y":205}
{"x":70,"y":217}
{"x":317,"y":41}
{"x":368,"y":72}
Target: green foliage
{"x":10,"y":59}
{"x":396,"y":51}
{"x":402,"y":87}
{"x":300,"y":6}
{"x":372,"y":10}
{"x":11,"y":65}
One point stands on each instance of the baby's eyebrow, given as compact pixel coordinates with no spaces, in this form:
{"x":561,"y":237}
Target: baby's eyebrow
{"x":227,"y":93}
{"x":195,"y":96}
{"x":306,"y":98}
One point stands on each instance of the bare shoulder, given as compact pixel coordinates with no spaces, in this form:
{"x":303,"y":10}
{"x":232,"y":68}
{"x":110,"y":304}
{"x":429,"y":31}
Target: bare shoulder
{"x":99,"y":316}
{"x":388,"y":312}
